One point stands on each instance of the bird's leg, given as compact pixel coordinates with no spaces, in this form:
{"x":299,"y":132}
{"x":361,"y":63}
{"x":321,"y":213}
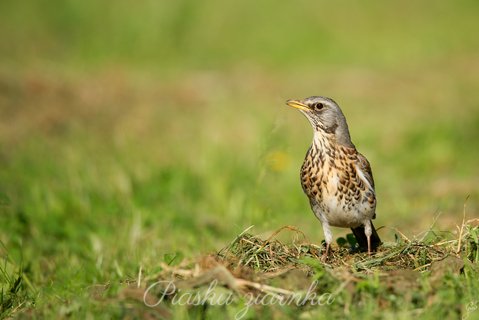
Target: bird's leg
{"x":324,"y":257}
{"x":368,"y":232}
{"x":369,"y":245}
{"x":328,"y":237}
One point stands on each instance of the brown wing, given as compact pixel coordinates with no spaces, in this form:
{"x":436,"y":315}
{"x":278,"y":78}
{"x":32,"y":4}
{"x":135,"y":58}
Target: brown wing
{"x":359,"y":232}
{"x":365,"y":167}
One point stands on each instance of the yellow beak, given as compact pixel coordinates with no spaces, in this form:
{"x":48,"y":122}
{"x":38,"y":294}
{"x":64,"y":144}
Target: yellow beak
{"x":297,"y":104}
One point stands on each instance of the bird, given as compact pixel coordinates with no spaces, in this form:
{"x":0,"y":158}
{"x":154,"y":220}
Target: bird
{"x":336,"y":178}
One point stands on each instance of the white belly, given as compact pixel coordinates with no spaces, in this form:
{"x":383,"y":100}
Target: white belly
{"x":346,"y":213}
{"x":337,"y":214}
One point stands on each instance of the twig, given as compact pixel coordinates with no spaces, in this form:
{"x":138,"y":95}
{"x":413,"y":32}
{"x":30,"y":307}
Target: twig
{"x":430,"y":228}
{"x":462,"y":227}
{"x":263,"y":287}
{"x":236,"y":239}
{"x":139,"y":276}
{"x":402,"y":235}
{"x":292,"y":228}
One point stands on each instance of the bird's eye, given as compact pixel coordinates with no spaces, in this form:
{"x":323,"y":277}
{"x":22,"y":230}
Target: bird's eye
{"x":318,"y":106}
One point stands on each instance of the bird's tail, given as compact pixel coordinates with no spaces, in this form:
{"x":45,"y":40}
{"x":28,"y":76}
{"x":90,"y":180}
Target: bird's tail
{"x":362,"y":240}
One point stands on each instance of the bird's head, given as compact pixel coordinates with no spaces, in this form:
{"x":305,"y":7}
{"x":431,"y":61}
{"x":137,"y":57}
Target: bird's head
{"x":325,"y":116}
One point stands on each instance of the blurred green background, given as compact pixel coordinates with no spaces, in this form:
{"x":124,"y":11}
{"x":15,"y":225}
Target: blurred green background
{"x":131,"y":129}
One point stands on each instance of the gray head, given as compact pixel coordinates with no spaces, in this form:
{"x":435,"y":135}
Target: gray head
{"x":325,"y":116}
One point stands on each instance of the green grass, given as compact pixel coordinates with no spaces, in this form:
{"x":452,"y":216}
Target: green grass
{"x":133,"y":134}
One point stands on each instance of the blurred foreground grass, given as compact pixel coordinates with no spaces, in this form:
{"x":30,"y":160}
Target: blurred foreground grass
{"x":128,"y":132}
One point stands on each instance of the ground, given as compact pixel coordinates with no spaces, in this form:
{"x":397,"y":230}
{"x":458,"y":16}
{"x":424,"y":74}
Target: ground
{"x":137,"y":147}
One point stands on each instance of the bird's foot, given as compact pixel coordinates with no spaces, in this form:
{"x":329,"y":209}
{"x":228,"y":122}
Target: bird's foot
{"x":369,"y":245}
{"x":324,"y":258}
{"x":325,"y":255}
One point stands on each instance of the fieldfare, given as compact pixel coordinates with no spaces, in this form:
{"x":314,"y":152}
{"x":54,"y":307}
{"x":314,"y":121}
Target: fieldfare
{"x":336,"y":178}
